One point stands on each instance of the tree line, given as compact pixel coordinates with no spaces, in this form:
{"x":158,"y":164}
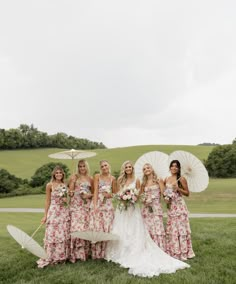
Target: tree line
{"x":28,"y":137}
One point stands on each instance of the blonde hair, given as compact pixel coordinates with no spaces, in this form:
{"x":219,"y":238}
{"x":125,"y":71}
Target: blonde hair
{"x":123,"y":176}
{"x":154,"y":178}
{"x":82,"y":161}
{"x":105,"y":161}
{"x":57,"y":168}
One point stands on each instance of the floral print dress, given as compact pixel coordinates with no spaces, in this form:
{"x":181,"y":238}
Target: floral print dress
{"x":153,"y":215}
{"x":178,"y":232}
{"x":57,"y":234}
{"x":102,"y":218}
{"x":79,"y":214}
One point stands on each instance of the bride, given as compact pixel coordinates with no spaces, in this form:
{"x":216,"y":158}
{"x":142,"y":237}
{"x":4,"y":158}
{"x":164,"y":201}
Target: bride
{"x":135,"y":249}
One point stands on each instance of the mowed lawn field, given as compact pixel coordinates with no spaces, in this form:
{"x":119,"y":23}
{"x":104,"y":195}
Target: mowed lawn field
{"x":213,"y":242}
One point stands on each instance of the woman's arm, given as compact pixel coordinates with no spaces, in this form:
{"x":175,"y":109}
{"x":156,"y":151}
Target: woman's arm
{"x":114,"y":185}
{"x":184,"y":190}
{"x":72,"y":182}
{"x":92,"y":184}
{"x":161,"y":185}
{"x":47,"y":202}
{"x":137,"y":184}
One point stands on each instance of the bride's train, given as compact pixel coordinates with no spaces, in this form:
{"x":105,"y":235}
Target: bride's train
{"x":136,"y":250}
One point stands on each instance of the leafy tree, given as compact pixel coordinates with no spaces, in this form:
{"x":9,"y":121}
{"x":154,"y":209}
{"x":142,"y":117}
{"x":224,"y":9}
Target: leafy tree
{"x":2,"y":138}
{"x":221,"y":161}
{"x":43,"y":174}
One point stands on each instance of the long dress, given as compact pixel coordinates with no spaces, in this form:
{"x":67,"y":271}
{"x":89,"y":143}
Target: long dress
{"x":79,"y":213}
{"x":102,"y":219}
{"x":178,"y":232}
{"x":152,"y":214}
{"x":57,"y":233}
{"x":135,"y":249}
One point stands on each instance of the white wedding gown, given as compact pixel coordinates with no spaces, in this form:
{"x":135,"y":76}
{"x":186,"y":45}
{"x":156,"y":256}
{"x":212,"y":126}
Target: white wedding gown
{"x":135,"y":249}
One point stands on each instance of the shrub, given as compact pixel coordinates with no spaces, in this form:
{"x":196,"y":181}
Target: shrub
{"x":8,"y":182}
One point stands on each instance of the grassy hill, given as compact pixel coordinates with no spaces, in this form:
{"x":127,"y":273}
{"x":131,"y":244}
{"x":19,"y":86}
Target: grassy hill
{"x":23,"y":163}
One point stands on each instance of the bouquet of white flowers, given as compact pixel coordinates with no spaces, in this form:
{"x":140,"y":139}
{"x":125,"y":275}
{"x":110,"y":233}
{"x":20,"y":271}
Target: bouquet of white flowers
{"x":126,"y":198}
{"x":107,"y":189}
{"x":63,"y":193}
{"x":168,"y":195}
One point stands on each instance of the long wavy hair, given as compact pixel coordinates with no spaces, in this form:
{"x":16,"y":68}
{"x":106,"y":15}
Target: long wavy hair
{"x":179,"y":171}
{"x":123,"y":176}
{"x":145,"y":178}
{"x":57,"y":168}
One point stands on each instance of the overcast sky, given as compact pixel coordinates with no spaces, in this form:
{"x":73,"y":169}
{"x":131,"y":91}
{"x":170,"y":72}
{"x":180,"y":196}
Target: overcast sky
{"x":123,"y":72}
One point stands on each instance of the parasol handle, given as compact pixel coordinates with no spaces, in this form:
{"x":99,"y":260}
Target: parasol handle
{"x":36,"y":230}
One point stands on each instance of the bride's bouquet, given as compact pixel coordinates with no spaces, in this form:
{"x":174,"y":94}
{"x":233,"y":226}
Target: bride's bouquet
{"x":126,"y":198}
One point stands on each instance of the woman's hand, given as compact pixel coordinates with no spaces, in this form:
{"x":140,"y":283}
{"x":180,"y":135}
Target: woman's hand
{"x":43,"y":220}
{"x":64,"y":199}
{"x":167,"y":201}
{"x":175,"y":187}
{"x":107,"y":195}
{"x":87,"y":196}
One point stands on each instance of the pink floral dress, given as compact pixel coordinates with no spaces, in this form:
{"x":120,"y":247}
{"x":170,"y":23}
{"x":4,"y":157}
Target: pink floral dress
{"x":178,"y":232}
{"x":102,"y":218}
{"x":153,"y":215}
{"x":79,"y":213}
{"x":57,"y":234}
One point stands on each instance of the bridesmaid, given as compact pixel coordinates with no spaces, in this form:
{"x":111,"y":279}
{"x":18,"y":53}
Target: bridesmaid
{"x":102,"y":214}
{"x":57,"y":219}
{"x":178,"y":232}
{"x":81,"y":192}
{"x":152,"y":188}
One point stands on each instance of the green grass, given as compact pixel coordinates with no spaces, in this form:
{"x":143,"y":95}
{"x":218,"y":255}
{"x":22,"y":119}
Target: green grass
{"x":220,"y":197}
{"x":25,"y":201}
{"x":23,"y":163}
{"x":213,"y":242}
